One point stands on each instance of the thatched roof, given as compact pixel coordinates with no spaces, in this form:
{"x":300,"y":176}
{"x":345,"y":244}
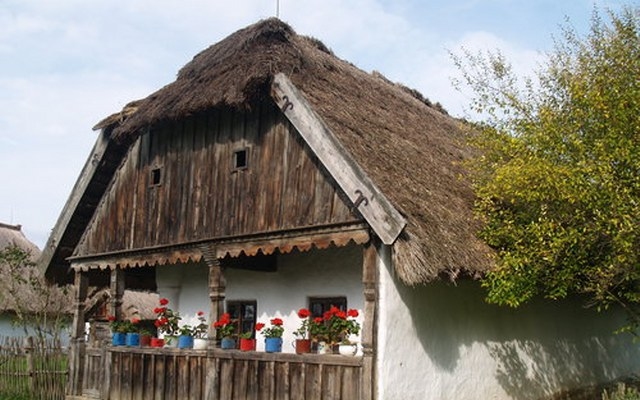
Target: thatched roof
{"x":12,"y":235}
{"x":409,"y":149}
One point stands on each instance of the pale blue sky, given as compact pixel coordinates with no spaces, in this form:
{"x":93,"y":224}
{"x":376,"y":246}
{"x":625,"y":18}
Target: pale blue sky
{"x":66,"y":64}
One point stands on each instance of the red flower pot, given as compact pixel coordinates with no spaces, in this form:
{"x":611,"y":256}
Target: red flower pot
{"x":303,"y":346}
{"x":155,"y":342}
{"x":247,"y":344}
{"x":145,"y":340}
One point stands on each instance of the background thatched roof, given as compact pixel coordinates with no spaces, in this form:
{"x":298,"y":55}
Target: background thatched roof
{"x":12,"y":235}
{"x":410,"y":150}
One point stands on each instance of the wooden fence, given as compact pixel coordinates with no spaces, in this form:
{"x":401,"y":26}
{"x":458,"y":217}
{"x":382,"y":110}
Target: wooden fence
{"x":29,"y":370}
{"x":168,"y":374}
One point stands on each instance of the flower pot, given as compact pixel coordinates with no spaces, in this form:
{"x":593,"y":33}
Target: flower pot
{"x":273,"y":345}
{"x":171,"y":342}
{"x":185,"y":342}
{"x":132,"y":339}
{"x":347,"y":349}
{"x":157,"y":342}
{"x":227,"y":344}
{"x":200,"y":344}
{"x":302,"y":346}
{"x":323,"y":348}
{"x":145,"y":340}
{"x":247,"y":344}
{"x":119,"y":339}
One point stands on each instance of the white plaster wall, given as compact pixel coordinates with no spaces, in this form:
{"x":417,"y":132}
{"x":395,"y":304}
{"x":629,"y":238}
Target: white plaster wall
{"x":317,"y":273}
{"x":442,"y":341}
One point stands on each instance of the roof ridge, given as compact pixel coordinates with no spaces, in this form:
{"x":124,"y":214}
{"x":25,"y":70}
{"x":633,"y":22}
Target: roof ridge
{"x":13,"y":227}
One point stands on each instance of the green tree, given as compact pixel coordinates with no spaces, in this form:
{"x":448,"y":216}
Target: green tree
{"x":558,"y":169}
{"x":41,"y":309}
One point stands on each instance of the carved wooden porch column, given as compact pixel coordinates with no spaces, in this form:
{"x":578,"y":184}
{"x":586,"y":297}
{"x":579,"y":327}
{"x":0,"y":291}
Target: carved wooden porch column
{"x":77,"y":348}
{"x":217,"y":289}
{"x":116,"y":291}
{"x":370,"y":323}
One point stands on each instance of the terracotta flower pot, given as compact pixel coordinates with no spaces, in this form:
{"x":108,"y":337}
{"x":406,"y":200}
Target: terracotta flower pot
{"x":157,"y":342}
{"x":145,"y":340}
{"x":303,"y":346}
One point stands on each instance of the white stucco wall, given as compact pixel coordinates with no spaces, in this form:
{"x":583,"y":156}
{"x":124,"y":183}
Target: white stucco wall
{"x":317,"y":273}
{"x":442,"y":341}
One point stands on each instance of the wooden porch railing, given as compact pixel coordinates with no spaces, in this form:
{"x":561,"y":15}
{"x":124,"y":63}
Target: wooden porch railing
{"x":117,"y":373}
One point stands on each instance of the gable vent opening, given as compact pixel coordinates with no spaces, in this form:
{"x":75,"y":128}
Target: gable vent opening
{"x":241,"y":159}
{"x":156,"y":176}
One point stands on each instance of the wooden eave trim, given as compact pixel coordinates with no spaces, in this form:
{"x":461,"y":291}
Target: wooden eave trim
{"x":283,"y":242}
{"x":381,"y":215}
{"x":86,"y":175}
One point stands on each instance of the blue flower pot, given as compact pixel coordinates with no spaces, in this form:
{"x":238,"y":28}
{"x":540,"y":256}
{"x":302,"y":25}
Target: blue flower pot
{"x":227,"y":344}
{"x":273,"y":345}
{"x":133,"y":339}
{"x":119,"y":339}
{"x":185,"y":342}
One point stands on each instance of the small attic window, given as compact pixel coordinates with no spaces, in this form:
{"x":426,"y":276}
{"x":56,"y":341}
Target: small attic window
{"x":241,"y":159}
{"x":156,"y":176}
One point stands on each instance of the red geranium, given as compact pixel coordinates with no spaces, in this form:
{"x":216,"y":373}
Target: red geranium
{"x":164,"y":302}
{"x":166,"y":320}
{"x":304,"y":327}
{"x":224,"y":326}
{"x":274,"y":331}
{"x":259,"y":326}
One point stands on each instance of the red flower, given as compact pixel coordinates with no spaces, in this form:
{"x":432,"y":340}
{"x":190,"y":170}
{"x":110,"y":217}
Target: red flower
{"x":304,"y":313}
{"x":318,"y":320}
{"x":200,"y":313}
{"x":164,"y":302}
{"x":341,"y":315}
{"x":259,"y":326}
{"x":334,"y":310}
{"x":135,"y":321}
{"x":276,"y":322}
{"x":111,"y":318}
{"x":352,"y":313}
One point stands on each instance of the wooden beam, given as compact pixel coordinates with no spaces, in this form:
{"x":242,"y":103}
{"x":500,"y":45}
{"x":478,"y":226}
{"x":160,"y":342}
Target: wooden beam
{"x":370,"y":325}
{"x":78,"y":346}
{"x":383,"y":218}
{"x":88,"y":171}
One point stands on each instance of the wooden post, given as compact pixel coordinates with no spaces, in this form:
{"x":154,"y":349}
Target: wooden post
{"x":370,"y":323}
{"x":77,"y":345}
{"x":217,"y":288}
{"x":116,"y":291}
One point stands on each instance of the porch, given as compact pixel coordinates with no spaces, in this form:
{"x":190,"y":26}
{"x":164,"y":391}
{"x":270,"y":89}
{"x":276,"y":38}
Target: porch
{"x":116,"y":373}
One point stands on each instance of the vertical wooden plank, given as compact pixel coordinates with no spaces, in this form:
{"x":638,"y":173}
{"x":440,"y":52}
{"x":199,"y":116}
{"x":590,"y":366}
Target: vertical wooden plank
{"x":350,"y":384}
{"x":297,"y":380}
{"x":149,"y":378}
{"x":116,"y":374}
{"x":281,"y":381}
{"x":252,"y":178}
{"x":266,"y":379}
{"x":368,"y":334}
{"x":313,"y":382}
{"x":226,"y":379}
{"x":253,"y":387}
{"x":240,"y":379}
{"x":199,"y":169}
{"x":77,"y":348}
{"x":212,"y":173}
{"x":183,"y":376}
{"x":331,"y":383}
{"x":126,"y":375}
{"x":160,"y":377}
{"x":212,"y":382}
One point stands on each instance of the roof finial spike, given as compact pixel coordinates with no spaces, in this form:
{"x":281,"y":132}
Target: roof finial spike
{"x":278,"y":9}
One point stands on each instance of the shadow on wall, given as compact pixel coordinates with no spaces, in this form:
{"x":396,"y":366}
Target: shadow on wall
{"x":532,"y":352}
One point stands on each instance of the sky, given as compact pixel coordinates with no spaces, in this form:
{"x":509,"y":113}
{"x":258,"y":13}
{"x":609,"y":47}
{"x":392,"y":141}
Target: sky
{"x":66,"y":64}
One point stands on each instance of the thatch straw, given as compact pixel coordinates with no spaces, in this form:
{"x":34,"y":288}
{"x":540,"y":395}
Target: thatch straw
{"x":411,"y":151}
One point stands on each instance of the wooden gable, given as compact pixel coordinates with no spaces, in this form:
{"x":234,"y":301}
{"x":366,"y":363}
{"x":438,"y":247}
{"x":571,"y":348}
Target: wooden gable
{"x":215,"y":175}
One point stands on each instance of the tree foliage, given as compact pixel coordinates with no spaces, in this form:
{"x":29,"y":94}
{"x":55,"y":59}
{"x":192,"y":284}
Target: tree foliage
{"x":40,"y":308}
{"x":558,"y":176}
